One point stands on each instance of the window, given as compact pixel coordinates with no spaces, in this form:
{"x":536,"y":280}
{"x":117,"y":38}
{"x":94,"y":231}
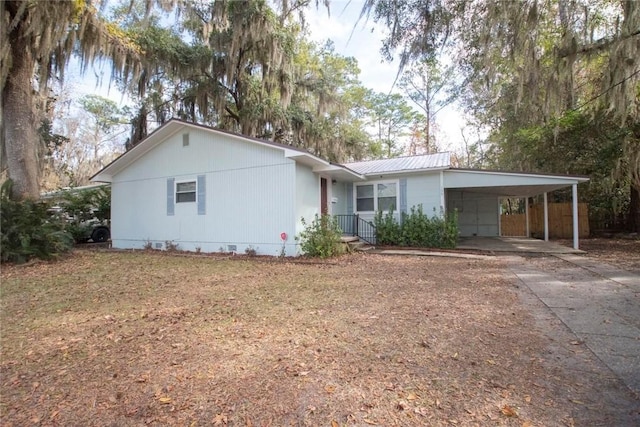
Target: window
{"x":382,"y":196}
{"x":364,"y":198}
{"x":387,"y":197}
{"x":186,"y":192}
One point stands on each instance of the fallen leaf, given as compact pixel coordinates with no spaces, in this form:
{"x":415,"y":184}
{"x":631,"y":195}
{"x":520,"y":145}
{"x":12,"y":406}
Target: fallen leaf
{"x":329,"y":388}
{"x":373,"y":423}
{"x":508,"y":411}
{"x":491,"y":362}
{"x":412,"y":396}
{"x":579,"y":402}
{"x":164,"y":400}
{"x":421,"y":411}
{"x":527,"y":399}
{"x":334,"y":423}
{"x":220,"y":419}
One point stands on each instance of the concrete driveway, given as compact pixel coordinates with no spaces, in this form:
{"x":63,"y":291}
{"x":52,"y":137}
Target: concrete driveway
{"x":599,"y":303}
{"x":513,"y":245}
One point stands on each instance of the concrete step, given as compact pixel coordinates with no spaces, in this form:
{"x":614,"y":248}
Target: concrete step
{"x":355,"y":244}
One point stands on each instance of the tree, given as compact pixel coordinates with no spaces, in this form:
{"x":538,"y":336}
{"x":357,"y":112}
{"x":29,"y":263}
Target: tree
{"x":38,"y":38}
{"x":426,"y":83}
{"x":392,"y":117}
{"x":248,"y":68}
{"x":95,"y":131}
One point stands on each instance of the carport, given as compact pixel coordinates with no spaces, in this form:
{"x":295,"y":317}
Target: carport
{"x":475,"y":195}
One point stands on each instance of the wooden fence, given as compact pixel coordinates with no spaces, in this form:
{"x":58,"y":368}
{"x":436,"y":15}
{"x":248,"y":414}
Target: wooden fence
{"x":560,"y":221}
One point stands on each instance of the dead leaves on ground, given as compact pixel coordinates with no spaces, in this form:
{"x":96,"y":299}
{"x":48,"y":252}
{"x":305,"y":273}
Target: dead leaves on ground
{"x":363,"y":341}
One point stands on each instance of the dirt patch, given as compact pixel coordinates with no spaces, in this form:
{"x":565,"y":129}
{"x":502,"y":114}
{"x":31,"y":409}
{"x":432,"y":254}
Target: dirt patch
{"x":623,"y":253}
{"x":124,"y":339}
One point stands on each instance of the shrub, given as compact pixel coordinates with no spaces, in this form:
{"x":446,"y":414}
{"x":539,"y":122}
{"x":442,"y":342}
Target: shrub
{"x":321,"y":238}
{"x":388,"y":231}
{"x":28,"y":230}
{"x":417,"y":229}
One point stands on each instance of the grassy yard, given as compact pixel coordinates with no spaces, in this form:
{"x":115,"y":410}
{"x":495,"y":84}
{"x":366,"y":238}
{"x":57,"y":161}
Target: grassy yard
{"x":127,"y":339}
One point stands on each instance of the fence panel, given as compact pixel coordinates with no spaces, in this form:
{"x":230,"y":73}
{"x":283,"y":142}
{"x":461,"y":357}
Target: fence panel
{"x":560,"y":221}
{"x":513,"y":225}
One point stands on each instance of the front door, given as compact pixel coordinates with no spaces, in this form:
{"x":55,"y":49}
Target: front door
{"x":324,"y":206}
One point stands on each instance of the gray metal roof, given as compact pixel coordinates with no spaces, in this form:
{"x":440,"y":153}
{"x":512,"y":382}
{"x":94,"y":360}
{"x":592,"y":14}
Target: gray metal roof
{"x":402,"y":164}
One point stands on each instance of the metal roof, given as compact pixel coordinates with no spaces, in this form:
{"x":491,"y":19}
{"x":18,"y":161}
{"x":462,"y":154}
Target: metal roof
{"x":402,"y":164}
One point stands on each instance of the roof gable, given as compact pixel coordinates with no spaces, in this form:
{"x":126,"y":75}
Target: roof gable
{"x":174,"y":126}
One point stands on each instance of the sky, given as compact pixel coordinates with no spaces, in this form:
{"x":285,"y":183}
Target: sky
{"x":361,"y":40}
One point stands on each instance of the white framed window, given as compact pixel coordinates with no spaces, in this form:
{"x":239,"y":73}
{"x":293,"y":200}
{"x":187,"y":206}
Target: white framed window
{"x":185,"y":192}
{"x":377,"y":196}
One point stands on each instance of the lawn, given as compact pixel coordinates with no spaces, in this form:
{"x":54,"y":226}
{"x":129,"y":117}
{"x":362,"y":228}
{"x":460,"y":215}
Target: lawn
{"x":127,"y":339}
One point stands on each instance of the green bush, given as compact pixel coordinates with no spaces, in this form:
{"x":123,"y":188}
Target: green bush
{"x":321,"y":238}
{"x":417,"y":229}
{"x":28,"y":230}
{"x":388,"y":231}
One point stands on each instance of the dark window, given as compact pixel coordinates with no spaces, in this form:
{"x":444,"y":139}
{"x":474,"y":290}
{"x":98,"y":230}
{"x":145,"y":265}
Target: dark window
{"x":364,"y":198}
{"x":186,"y":192}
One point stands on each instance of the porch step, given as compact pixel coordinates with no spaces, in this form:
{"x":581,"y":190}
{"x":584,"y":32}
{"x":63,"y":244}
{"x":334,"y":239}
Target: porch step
{"x":355,"y":244}
{"x":349,"y":239}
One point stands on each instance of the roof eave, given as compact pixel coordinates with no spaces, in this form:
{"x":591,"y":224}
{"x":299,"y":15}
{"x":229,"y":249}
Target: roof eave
{"x":406,"y":171}
{"x":579,"y":178}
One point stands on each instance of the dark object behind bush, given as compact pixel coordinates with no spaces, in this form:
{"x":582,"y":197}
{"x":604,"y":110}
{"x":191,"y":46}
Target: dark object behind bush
{"x":28,"y":230}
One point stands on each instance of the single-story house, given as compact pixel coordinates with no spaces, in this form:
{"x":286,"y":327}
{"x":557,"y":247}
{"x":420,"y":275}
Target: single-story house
{"x":210,"y":190}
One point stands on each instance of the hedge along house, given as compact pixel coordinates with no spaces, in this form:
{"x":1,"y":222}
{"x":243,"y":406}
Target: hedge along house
{"x":211,"y":190}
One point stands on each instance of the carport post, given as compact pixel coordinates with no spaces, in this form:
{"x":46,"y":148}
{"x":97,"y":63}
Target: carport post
{"x":526,"y":215}
{"x":574,"y":197}
{"x":546,"y":218}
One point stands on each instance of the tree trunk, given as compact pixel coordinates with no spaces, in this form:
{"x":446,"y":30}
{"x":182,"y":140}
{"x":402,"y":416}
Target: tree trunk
{"x":21,"y":137}
{"x":633,"y":221}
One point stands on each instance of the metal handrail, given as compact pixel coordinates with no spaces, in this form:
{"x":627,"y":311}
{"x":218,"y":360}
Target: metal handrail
{"x":353,"y":225}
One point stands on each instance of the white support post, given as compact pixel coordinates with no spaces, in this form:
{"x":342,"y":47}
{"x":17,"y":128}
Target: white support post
{"x":443,"y":208}
{"x":526,"y":215}
{"x":574,"y":197}
{"x":499,"y":217}
{"x":546,"y":218}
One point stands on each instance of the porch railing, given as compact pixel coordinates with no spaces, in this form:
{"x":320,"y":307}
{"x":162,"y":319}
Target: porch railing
{"x":353,"y":225}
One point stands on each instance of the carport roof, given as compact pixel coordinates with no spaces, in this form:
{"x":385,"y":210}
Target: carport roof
{"x":508,"y":184}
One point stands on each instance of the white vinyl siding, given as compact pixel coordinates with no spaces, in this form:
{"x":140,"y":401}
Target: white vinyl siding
{"x":248,"y":200}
